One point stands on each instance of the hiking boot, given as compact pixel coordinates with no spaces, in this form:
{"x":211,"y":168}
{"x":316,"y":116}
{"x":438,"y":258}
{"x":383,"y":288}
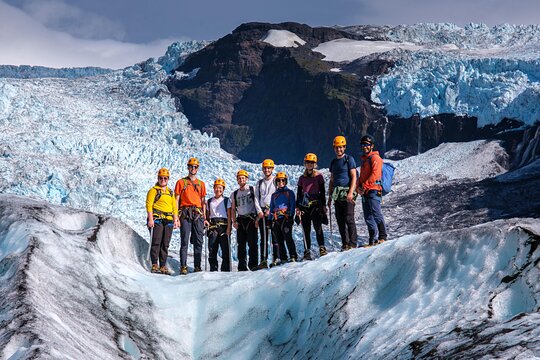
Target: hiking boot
{"x":165,"y":271}
{"x":263,"y":265}
{"x":155,"y":269}
{"x":307,"y":255}
{"x":276,"y":262}
{"x":292,"y":259}
{"x":183,"y":270}
{"x":380,"y":241}
{"x":197,"y":269}
{"x":345,"y":248}
{"x":322,"y":251}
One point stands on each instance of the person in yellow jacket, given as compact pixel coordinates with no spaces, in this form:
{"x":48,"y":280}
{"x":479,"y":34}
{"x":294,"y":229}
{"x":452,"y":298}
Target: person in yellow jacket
{"x":162,"y":218}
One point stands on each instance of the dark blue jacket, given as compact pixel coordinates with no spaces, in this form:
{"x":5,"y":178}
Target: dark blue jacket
{"x":282,"y":198}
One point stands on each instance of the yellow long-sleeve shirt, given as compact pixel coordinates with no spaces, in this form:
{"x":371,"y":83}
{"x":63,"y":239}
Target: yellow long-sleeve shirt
{"x":165,"y":204}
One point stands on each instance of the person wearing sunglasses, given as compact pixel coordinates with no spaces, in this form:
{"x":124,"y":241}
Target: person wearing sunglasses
{"x":190,"y":193}
{"x":162,"y":218}
{"x":369,"y":186}
{"x":282,"y":209}
{"x":311,"y":204}
{"x":342,"y":189}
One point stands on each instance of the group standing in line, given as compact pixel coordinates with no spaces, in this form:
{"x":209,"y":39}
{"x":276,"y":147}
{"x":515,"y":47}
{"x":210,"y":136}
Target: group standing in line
{"x":270,"y":208}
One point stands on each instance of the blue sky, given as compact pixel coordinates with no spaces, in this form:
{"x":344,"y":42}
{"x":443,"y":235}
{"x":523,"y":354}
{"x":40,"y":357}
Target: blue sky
{"x":117,"y":33}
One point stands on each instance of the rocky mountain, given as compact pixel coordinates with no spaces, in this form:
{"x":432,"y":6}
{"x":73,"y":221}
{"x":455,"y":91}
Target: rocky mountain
{"x":281,"y":90}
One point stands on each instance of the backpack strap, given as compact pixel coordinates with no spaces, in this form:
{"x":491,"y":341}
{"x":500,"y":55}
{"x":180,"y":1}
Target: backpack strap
{"x":235,"y":196}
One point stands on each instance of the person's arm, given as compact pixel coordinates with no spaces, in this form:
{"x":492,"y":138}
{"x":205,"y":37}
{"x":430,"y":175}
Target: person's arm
{"x":299,"y":195}
{"x":150,"y":197}
{"x":352,"y":187}
{"x":322,"y":193}
{"x":176,"y":221}
{"x":229,"y":222}
{"x":233,"y":212}
{"x":330,"y":189}
{"x":292,"y":204}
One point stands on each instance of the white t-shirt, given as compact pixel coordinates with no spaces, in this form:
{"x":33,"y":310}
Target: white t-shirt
{"x":217,"y":207}
{"x":265,"y":191}
{"x":246,"y":204}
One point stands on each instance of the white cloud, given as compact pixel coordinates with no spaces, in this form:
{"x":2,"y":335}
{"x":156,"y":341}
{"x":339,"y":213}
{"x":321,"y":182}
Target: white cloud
{"x":57,"y":15}
{"x":25,"y":41}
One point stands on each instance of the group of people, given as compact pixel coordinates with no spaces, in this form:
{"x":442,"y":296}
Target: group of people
{"x":265,"y":211}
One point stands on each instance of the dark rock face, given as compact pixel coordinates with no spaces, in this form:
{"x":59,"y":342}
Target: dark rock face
{"x":264,"y":101}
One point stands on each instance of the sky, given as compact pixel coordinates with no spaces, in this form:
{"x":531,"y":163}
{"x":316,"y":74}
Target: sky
{"x":118,"y":33}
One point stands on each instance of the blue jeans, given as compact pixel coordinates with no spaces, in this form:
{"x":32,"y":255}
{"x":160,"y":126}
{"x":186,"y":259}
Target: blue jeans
{"x":371,"y":205}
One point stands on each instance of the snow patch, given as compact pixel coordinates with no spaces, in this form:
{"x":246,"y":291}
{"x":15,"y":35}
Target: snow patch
{"x":282,"y":38}
{"x":349,"y":50}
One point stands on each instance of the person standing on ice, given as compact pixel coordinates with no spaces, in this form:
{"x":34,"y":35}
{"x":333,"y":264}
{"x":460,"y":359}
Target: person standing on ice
{"x":311,"y":204}
{"x":263,"y":192}
{"x":162,"y":218}
{"x":245,"y":208}
{"x":342,"y":189}
{"x":219,"y":232}
{"x":282,"y":209}
{"x":190,"y":193}
{"x":369,"y":186}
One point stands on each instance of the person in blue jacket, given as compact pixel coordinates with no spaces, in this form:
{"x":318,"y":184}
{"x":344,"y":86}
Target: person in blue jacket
{"x":282,"y":210}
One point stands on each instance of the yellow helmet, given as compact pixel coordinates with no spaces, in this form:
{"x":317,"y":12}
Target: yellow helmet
{"x":163,"y":172}
{"x":268,"y":163}
{"x":242,"y":173}
{"x":281,"y":175}
{"x":193,"y":161}
{"x":340,"y":141}
{"x":219,"y":182}
{"x":310,"y":157}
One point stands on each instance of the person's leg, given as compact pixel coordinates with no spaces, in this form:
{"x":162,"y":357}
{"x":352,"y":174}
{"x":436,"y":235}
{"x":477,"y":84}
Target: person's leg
{"x":155,"y":245}
{"x":317,"y":219}
{"x":306,"y":227}
{"x":340,"y":207}
{"x":378,"y":218}
{"x":185,"y":233}
{"x":253,"y":246}
{"x":223,"y":241}
{"x":165,"y":241}
{"x":276,"y":250}
{"x":241,"y":240}
{"x":351,"y":224}
{"x":291,"y":246}
{"x":368,"y":217}
{"x":213,"y":243}
{"x":263,"y":240}
{"x":198,"y":240}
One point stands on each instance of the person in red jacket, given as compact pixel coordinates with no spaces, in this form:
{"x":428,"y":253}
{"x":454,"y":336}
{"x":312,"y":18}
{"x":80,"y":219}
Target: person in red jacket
{"x":369,"y":186}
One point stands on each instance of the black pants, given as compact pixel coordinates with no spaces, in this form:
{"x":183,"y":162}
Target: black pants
{"x":246,"y":234}
{"x":217,"y":238}
{"x":265,"y":237}
{"x":313,"y":214}
{"x":345,"y":220}
{"x":161,"y":238}
{"x":191,"y":231}
{"x":281,"y":235}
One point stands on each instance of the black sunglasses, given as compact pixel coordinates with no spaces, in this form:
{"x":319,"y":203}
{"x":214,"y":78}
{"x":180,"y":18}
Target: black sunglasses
{"x":193,"y":166}
{"x":365,"y":144}
{"x":281,"y":180}
{"x":163,"y":178}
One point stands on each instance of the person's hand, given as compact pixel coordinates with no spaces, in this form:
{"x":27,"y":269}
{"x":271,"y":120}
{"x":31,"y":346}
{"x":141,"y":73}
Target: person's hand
{"x":266,"y":212}
{"x":176,"y":224}
{"x":256,"y":224}
{"x":206,"y":223}
{"x":260,"y":215}
{"x":298,"y":212}
{"x":350,"y":197}
{"x":229,"y":231}
{"x":235,"y":225}
{"x":150,"y":223}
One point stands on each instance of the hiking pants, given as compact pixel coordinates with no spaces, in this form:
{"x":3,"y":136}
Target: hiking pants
{"x":265,"y":236}
{"x":313,"y":214}
{"x":191,"y":230}
{"x":345,"y":220}
{"x":160,"y":241}
{"x":217,"y":238}
{"x":246,"y":234}
{"x":371,"y":205}
{"x":282,"y":232}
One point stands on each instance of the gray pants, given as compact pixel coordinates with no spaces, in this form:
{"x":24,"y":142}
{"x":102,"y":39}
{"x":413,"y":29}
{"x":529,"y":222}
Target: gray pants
{"x":191,"y":231}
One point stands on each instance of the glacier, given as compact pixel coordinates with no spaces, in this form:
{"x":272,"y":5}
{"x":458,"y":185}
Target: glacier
{"x":490,"y":73}
{"x":74,"y":285}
